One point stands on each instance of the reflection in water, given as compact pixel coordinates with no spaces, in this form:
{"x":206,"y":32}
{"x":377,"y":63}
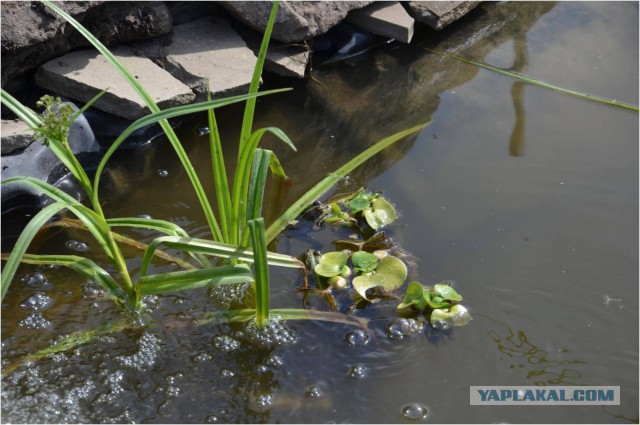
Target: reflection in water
{"x":517,"y":140}
{"x":544,"y":370}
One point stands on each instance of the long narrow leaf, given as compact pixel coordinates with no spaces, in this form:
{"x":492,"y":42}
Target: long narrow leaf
{"x":30,"y":118}
{"x":241,"y":179}
{"x":86,"y":106}
{"x":24,"y":240}
{"x":250,"y":106}
{"x":81,"y":265}
{"x":173,"y":139}
{"x":533,"y":81}
{"x":259,"y":243}
{"x":77,"y":224}
{"x":259,"y":171}
{"x":319,"y":189}
{"x":217,"y":249}
{"x":220,"y":181}
{"x":191,"y":279}
{"x":276,"y":167}
{"x":166,"y":114}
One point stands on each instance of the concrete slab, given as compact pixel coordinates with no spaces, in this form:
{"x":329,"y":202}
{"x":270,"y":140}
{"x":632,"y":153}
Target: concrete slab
{"x":439,"y":14}
{"x":287,"y":60}
{"x":209,"y":49}
{"x":16,"y":135}
{"x":83,"y":74}
{"x":387,"y":19}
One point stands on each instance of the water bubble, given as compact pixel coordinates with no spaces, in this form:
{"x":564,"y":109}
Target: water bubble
{"x":415,"y":326}
{"x":172,"y":391}
{"x":145,"y":216}
{"x":163,"y":173}
{"x":37,"y":302}
{"x":202,"y":357}
{"x":212,"y":419}
{"x":34,"y":321}
{"x":203,"y":131}
{"x":261,"y":369}
{"x":91,"y":290}
{"x":313,"y":392}
{"x":151,"y":302}
{"x":357,"y":372}
{"x":234,"y":295}
{"x":35,"y":280}
{"x":145,"y":357}
{"x":226,"y":373}
{"x":264,"y":400}
{"x":77,"y":246}
{"x":274,"y":361}
{"x":398,"y":328}
{"x":357,"y":337}
{"x":414,"y":411}
{"x":441,"y":325}
{"x":225,"y":343}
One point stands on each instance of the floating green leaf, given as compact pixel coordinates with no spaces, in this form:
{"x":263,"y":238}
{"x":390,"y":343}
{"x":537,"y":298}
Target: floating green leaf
{"x":459,"y":315}
{"x":443,"y":319}
{"x":414,"y":296}
{"x":390,"y":275}
{"x":332,"y":264}
{"x":380,"y":214}
{"x":359,"y":202}
{"x":364,"y":262}
{"x":446,"y":292}
{"x":436,"y":301}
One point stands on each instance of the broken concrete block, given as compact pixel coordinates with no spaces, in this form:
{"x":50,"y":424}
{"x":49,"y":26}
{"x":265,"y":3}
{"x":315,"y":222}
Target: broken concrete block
{"x":16,"y":135}
{"x":287,"y":60}
{"x":439,"y":14}
{"x":83,"y":74}
{"x":386,"y":19}
{"x":209,"y":49}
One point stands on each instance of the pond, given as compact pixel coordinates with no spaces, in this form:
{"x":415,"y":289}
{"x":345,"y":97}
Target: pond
{"x":526,"y":199}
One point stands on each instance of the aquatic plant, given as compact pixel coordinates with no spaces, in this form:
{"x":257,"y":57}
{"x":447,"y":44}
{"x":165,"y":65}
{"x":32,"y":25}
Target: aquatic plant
{"x":241,"y":237}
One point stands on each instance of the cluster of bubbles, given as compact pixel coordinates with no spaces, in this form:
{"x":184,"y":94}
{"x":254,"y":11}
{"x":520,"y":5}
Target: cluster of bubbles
{"x":234,"y":295}
{"x":77,"y":246}
{"x":37,"y":281}
{"x":202,"y":357}
{"x":151,"y":302}
{"x":36,"y":302}
{"x":34,"y":321}
{"x":148,"y":350}
{"x":274,"y":333}
{"x":357,"y":372}
{"x":225,"y":343}
{"x":399,"y":328}
{"x":91,"y":290}
{"x":313,"y":392}
{"x":163,"y":173}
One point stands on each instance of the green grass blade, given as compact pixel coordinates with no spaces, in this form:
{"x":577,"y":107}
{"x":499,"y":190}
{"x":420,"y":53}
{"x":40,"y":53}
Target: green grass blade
{"x":241,"y":180}
{"x":81,"y":265}
{"x":319,"y":189}
{"x":533,"y":81}
{"x":217,"y":249}
{"x":259,"y":243}
{"x":220,"y":181}
{"x":249,"y":110}
{"x":173,"y":139}
{"x":24,"y":240}
{"x":77,"y":224}
{"x":86,"y":106}
{"x":163,"y":115}
{"x":258,"y":180}
{"x":276,"y":167}
{"x":94,"y":222}
{"x":30,"y":118}
{"x":191,"y":279}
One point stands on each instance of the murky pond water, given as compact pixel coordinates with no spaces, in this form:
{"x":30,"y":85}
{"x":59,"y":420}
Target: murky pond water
{"x":525,"y":198}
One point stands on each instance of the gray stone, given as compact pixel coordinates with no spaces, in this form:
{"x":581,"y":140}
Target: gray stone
{"x":33,"y":34}
{"x":287,"y":60}
{"x":16,"y":135}
{"x":439,"y":14}
{"x":296,"y":20}
{"x":188,"y":11}
{"x":210,"y":50}
{"x":38,"y":161}
{"x":83,"y":74}
{"x":387,"y":19}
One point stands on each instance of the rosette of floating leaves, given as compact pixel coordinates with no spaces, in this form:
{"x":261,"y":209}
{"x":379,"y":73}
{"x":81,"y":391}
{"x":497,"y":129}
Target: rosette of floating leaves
{"x":438,"y":303}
